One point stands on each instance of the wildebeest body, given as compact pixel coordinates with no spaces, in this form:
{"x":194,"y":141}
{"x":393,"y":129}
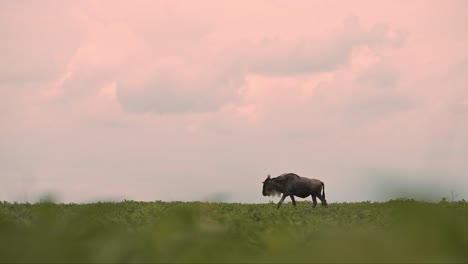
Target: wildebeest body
{"x":291,"y":184}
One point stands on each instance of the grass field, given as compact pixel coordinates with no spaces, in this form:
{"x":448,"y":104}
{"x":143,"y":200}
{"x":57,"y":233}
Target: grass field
{"x":395,"y":231}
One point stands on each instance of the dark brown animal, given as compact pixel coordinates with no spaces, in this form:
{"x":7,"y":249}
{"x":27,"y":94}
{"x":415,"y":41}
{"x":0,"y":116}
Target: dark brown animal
{"x":291,"y":184}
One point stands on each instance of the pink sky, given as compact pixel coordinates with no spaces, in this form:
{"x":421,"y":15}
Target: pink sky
{"x":184,"y":100}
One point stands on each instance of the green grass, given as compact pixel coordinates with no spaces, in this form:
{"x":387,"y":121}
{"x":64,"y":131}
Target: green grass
{"x":395,"y":231}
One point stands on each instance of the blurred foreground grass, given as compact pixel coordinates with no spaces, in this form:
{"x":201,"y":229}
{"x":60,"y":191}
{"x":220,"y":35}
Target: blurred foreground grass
{"x":395,"y":231}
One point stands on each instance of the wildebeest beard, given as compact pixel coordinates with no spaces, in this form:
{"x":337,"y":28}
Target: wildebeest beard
{"x":273,"y":193}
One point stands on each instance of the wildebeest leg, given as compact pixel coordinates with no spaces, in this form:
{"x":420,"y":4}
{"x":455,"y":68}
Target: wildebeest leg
{"x":322,"y":200}
{"x":281,"y":201}
{"x":292,"y":199}
{"x":314,"y":199}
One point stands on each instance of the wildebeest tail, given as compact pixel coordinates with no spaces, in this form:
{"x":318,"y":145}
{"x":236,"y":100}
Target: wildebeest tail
{"x":323,"y":190}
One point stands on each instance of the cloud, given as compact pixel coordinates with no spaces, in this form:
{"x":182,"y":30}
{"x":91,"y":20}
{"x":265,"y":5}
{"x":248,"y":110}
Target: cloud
{"x":184,"y":85}
{"x":37,"y":41}
{"x":312,"y":54}
{"x":172,"y":90}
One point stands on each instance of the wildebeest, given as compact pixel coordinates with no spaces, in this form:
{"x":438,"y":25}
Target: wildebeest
{"x":291,"y":184}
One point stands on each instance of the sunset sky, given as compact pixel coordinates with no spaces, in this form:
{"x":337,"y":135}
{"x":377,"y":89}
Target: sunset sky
{"x":200,"y":100}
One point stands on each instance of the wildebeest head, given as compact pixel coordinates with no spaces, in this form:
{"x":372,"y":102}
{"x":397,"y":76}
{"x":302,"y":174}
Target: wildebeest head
{"x":269,"y":187}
